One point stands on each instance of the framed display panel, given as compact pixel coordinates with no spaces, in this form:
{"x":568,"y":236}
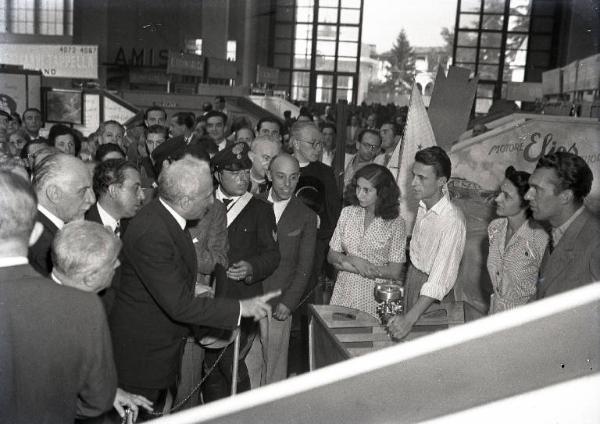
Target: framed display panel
{"x":19,"y":90}
{"x":64,"y":106}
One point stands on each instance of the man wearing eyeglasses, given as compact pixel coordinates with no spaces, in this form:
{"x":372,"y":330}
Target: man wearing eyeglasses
{"x":253,"y":256}
{"x":368,"y":147}
{"x":307,"y":143}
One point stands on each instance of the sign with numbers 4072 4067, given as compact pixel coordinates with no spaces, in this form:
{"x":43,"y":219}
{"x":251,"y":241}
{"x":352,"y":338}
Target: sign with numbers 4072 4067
{"x":53,"y":60}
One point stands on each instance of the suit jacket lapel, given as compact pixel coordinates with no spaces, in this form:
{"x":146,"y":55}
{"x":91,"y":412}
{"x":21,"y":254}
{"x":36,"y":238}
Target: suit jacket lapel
{"x":48,"y":225}
{"x":554,"y":263}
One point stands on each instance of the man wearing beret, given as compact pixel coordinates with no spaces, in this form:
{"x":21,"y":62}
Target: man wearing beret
{"x":253,"y":256}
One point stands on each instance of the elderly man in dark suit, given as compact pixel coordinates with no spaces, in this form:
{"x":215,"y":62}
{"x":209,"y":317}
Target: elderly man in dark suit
{"x":85,"y":256}
{"x":155,"y":305}
{"x":558,"y":187}
{"x":253,"y":256}
{"x":297,"y":236}
{"x":306,"y":140}
{"x":55,"y":351}
{"x":63,"y":186}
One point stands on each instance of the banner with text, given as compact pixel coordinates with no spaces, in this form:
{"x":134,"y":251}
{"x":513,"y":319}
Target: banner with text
{"x":54,"y":60}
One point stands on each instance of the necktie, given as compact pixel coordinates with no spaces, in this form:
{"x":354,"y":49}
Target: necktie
{"x":262,"y":187}
{"x":226,"y":202}
{"x":118,"y":229}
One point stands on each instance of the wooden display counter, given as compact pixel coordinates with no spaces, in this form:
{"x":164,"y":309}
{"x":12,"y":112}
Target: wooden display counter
{"x":336,"y":333}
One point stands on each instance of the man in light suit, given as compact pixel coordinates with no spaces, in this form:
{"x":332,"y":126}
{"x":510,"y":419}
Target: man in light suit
{"x":155,"y":307}
{"x":63,"y":186}
{"x":297,"y":237}
{"x":558,"y":187}
{"x":55,"y":351}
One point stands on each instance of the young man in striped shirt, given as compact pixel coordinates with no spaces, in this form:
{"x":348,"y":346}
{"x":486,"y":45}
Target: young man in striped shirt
{"x":437,"y":243}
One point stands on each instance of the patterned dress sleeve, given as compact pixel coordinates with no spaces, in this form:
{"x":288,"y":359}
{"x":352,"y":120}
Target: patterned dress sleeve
{"x":336,"y":240}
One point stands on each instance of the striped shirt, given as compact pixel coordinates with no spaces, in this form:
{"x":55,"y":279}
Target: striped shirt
{"x":437,"y":245}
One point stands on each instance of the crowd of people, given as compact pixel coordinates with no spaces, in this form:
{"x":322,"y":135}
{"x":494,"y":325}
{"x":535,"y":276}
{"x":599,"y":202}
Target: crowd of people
{"x":131,"y":260}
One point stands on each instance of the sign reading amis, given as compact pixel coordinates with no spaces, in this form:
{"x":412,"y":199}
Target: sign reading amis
{"x":53,"y":60}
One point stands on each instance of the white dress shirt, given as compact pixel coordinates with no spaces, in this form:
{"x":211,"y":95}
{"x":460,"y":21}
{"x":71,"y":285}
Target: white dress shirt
{"x":106,"y":218}
{"x":278,"y":206}
{"x":219,"y":195}
{"x":437,"y":245}
{"x":53,"y":218}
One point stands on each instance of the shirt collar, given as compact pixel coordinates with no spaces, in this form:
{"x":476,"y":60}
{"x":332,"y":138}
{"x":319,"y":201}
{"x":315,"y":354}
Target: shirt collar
{"x":558,"y":232}
{"x":55,"y":279}
{"x":222,"y":144}
{"x":219,"y":195}
{"x":53,"y":218}
{"x":106,"y":218}
{"x":181,"y":221}
{"x":277,"y":202}
{"x":13,"y":261}
{"x":439,"y":207}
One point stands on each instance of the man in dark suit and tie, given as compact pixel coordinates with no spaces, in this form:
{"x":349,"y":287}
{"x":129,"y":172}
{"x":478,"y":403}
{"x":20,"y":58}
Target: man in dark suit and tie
{"x":63,"y":186}
{"x":253,"y":256}
{"x":296,"y":236}
{"x":118,"y":188}
{"x":55,"y":350}
{"x":155,"y":306}
{"x":558,"y":187}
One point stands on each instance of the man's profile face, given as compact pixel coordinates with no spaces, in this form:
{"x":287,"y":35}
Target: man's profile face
{"x":543,"y":194}
{"x":175,"y":129}
{"x":388,"y":138}
{"x":215,"y":127}
{"x":425,"y":183}
{"x":112,"y":134}
{"x":76,"y":195}
{"x":129,"y":195}
{"x":155,"y":117}
{"x":32,"y":121}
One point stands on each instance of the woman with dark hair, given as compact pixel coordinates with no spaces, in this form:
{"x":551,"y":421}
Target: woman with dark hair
{"x":368,"y":244}
{"x":517,"y":245}
{"x":64,"y":139}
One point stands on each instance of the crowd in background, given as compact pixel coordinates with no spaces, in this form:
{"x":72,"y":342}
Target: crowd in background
{"x":187,"y":231}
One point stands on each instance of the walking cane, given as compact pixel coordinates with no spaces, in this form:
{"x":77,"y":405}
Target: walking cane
{"x":236,"y":355}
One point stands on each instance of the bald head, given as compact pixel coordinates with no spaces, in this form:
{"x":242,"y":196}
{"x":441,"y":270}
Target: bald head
{"x":186,"y":185}
{"x":284,"y":173}
{"x":63,"y":185}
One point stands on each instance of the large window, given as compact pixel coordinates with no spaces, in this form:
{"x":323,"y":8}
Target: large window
{"x":491,"y":39}
{"x":43,"y":17}
{"x":317,"y":48}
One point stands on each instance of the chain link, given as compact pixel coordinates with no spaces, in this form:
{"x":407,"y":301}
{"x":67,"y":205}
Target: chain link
{"x":197,"y":387}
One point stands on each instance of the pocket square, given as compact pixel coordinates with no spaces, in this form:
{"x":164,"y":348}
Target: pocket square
{"x":294,"y":233}
{"x":195,"y":240}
